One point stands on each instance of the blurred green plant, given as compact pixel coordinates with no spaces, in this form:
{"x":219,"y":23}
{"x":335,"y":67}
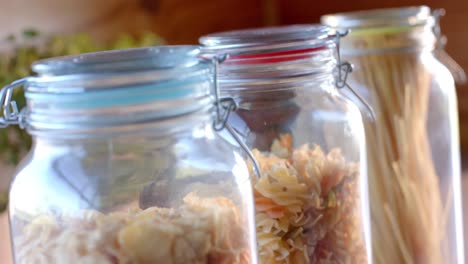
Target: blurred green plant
{"x":14,"y":142}
{"x":3,"y":201}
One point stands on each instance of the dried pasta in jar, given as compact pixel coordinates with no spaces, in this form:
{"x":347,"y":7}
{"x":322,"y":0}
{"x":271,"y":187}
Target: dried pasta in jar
{"x":202,"y":231}
{"x":307,"y":206}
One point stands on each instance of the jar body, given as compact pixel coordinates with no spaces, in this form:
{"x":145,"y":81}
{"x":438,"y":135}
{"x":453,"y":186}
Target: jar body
{"x":145,"y":197}
{"x":311,"y":196}
{"x":413,"y":150}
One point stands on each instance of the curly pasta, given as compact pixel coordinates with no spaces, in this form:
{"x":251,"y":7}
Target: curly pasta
{"x":307,"y":206}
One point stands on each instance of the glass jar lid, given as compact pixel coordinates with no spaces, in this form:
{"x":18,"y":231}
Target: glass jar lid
{"x":113,"y":69}
{"x":386,"y":30}
{"x":277,"y":44}
{"x":87,"y":90}
{"x":138,"y":59}
{"x":272,"y":52}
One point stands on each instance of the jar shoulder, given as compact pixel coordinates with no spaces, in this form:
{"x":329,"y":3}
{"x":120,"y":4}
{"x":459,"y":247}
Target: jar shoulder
{"x":79,"y":177}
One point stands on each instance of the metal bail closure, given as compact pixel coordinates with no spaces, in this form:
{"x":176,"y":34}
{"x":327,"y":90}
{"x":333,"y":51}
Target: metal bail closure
{"x":441,"y":41}
{"x":11,"y":115}
{"x":343,"y":70}
{"x":224,"y":107}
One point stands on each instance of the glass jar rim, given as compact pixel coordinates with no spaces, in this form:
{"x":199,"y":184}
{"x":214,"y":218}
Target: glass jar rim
{"x":265,"y":35}
{"x":132,"y":59}
{"x":381,"y":18}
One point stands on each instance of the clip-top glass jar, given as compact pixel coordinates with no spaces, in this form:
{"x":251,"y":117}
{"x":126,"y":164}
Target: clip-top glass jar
{"x":307,"y":139}
{"x":413,"y":146}
{"x":126,"y":166}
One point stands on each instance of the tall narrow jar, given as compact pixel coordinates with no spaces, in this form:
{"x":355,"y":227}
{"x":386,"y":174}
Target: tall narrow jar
{"x":308,"y":140}
{"x":126,"y":166}
{"x":413,"y":146}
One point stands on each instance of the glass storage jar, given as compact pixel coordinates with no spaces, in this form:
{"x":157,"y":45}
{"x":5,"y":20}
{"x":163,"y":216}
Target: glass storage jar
{"x":125,"y":165}
{"x":413,"y":146}
{"x":308,"y":141}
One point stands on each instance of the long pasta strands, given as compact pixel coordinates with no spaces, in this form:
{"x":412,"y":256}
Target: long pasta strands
{"x":407,"y":210}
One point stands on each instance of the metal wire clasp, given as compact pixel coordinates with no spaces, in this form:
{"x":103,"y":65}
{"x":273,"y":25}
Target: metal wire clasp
{"x":441,"y":41}
{"x":11,"y":114}
{"x":343,"y":71}
{"x":224,"y":107}
{"x":343,"y":68}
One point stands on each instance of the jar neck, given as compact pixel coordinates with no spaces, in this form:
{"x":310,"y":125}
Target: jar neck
{"x":121,"y":123}
{"x":197,"y":124}
{"x":389,"y":39}
{"x":264,"y":114}
{"x":278,"y":90}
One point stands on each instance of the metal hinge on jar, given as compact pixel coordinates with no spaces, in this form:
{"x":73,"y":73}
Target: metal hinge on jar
{"x":455,"y":69}
{"x":224,"y":107}
{"x":11,"y":114}
{"x":343,"y":70}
